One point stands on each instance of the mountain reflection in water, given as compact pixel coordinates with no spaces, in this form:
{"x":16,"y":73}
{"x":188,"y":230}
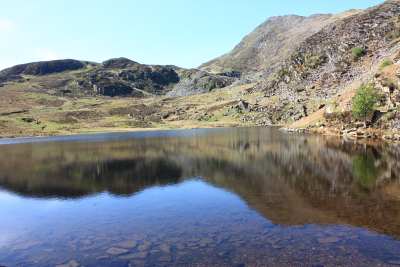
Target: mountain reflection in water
{"x":290,"y":179}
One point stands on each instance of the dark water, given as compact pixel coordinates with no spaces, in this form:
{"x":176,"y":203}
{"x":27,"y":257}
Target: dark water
{"x":218,"y":197}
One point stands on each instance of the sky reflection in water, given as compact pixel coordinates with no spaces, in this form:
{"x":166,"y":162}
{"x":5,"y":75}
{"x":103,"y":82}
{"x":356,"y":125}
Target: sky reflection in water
{"x":220,"y":197}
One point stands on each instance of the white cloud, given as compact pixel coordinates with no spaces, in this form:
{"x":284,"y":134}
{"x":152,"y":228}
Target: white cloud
{"x":46,"y":55}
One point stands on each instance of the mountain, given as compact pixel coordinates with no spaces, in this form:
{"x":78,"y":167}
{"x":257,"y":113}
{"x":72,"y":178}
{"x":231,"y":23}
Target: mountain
{"x":271,"y":42}
{"x":116,"y":77}
{"x":333,"y":62}
{"x":291,"y":70}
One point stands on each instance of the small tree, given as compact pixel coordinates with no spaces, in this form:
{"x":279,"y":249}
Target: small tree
{"x":364,"y":101}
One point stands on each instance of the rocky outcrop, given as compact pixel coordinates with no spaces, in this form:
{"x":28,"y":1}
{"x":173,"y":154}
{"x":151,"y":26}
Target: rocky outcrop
{"x":119,"y":63}
{"x":159,"y":75}
{"x":202,"y":82}
{"x":120,"y":77}
{"x":138,"y":81}
{"x":42,"y":68}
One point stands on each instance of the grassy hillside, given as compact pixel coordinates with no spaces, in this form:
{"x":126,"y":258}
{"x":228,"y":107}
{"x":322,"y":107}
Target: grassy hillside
{"x":29,"y":110}
{"x":301,"y":72}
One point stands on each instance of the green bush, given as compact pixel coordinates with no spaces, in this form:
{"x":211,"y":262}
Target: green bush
{"x":394,"y":34}
{"x":209,"y":86}
{"x":284,"y":72}
{"x":314,"y":60}
{"x":299,"y":89}
{"x":297,"y":55}
{"x":356,"y":53}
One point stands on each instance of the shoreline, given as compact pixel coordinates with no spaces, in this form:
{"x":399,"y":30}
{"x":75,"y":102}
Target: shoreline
{"x":118,"y":130}
{"x":369,"y":133}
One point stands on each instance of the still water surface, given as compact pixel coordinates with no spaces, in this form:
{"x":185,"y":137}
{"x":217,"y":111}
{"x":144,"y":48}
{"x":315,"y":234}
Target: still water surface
{"x":216,"y":197}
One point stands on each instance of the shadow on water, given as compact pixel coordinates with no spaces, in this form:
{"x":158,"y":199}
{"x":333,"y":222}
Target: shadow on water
{"x":123,"y":177}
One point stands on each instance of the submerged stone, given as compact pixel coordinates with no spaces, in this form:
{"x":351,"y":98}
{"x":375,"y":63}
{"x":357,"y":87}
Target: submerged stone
{"x":117,"y":251}
{"x":72,"y":263}
{"x":333,"y":239}
{"x":137,"y":255}
{"x":26,"y":245}
{"x":165,"y":248}
{"x":128,"y":244}
{"x":165,"y":258}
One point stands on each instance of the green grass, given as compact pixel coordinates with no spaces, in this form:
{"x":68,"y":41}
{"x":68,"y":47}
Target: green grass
{"x":356,"y":53}
{"x":40,"y":96}
{"x":385,"y":63}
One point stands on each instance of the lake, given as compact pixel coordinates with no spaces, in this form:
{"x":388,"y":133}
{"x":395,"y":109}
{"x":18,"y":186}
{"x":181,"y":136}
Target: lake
{"x":209,"y":197}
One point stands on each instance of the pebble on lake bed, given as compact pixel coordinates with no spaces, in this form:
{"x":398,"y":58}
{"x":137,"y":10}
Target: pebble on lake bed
{"x":70,"y":264}
{"x":26,"y":245}
{"x":137,"y":255}
{"x":165,"y":258}
{"x":333,"y":239}
{"x":117,"y":251}
{"x":128,"y":244}
{"x":165,"y":248}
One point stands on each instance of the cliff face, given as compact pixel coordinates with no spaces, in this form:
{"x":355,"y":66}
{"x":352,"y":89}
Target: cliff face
{"x":341,"y":51}
{"x":271,"y":42}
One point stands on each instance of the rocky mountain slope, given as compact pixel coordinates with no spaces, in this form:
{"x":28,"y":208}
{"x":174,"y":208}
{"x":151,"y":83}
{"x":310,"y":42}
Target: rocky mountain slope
{"x":331,"y":63}
{"x":271,"y":42}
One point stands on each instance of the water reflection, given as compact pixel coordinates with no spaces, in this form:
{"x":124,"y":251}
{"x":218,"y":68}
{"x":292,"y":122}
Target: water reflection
{"x":303,"y":184}
{"x":365,"y":172}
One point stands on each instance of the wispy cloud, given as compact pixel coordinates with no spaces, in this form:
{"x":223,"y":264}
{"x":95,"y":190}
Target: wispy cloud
{"x":46,"y":55}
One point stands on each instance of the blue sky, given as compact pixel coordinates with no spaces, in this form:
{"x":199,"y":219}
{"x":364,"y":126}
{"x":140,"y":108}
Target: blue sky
{"x":184,"y":33}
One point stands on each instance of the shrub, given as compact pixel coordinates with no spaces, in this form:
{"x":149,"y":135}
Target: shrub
{"x":346,"y":117}
{"x":284,"y":72}
{"x":209,"y":86}
{"x":314,"y":60}
{"x":387,"y":82}
{"x":330,"y":116}
{"x":297,"y":55}
{"x":299,"y":89}
{"x":356,"y":53}
{"x":394,"y":34}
